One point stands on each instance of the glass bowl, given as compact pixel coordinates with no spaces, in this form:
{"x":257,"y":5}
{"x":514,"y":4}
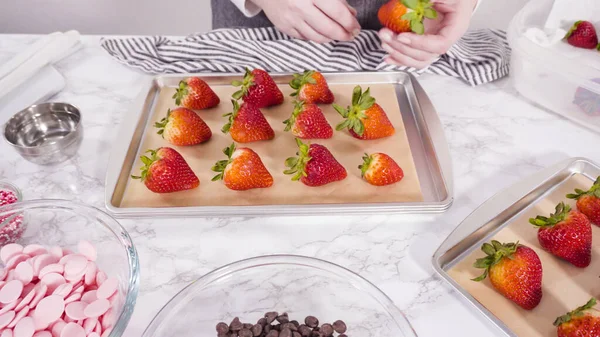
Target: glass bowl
{"x":6,"y":186}
{"x":65,"y":223}
{"x":300,"y":286}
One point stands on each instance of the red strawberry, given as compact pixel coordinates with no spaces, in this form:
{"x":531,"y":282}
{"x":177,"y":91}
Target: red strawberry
{"x":308,"y":122}
{"x":588,"y":202}
{"x":581,"y":322}
{"x":259,"y":89}
{"x":315,"y":165}
{"x":311,"y":87}
{"x":166,"y":171}
{"x":395,"y":15}
{"x":194,"y":93}
{"x":243,"y":170}
{"x":514,"y":270}
{"x":365,"y":118}
{"x":583,"y":35}
{"x":247,"y":124}
{"x":566,"y":234}
{"x":379,"y":169}
{"x":183,"y":127}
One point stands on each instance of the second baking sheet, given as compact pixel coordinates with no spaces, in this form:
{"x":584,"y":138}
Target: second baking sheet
{"x":565,"y":287}
{"x":347,"y":150}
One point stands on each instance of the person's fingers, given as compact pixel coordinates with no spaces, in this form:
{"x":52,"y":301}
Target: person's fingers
{"x":341,"y":12}
{"x":295,"y":34}
{"x":403,"y":60}
{"x":326,"y":26}
{"x":417,"y":54}
{"x":310,"y":34}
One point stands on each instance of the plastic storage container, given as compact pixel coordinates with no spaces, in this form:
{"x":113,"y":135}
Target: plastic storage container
{"x":557,"y":76}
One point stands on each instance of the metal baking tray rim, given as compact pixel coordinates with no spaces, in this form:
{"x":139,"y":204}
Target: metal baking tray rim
{"x":420,"y":103}
{"x":491,"y":209}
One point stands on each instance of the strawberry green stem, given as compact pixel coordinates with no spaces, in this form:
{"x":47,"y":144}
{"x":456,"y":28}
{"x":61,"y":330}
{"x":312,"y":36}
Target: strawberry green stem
{"x":560,"y":214}
{"x":181,"y":92}
{"x":147,"y":161}
{"x":355,"y":113}
{"x":367,"y":160}
{"x":421,"y":9}
{"x":245,"y":84}
{"x":301,"y":80}
{"x":593,"y":191}
{"x":495,"y":252}
{"x":289,"y":123}
{"x":231,"y":116}
{"x":297,"y":165}
{"x":221,"y":165}
{"x":575,"y":313}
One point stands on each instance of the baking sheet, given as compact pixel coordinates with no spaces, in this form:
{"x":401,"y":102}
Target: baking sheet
{"x":347,"y":150}
{"x":565,"y":287}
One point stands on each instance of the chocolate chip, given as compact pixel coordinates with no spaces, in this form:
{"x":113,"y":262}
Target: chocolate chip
{"x":285,"y":333}
{"x":267,"y":328}
{"x":276,"y":327}
{"x":311,"y":321}
{"x":326,"y":329}
{"x":245,"y":333}
{"x":316,"y":334}
{"x":295,"y":323}
{"x":223,"y":335}
{"x":283,"y":318}
{"x":222,"y":328}
{"x":290,"y":326}
{"x":270,"y":316}
{"x":304,"y":330}
{"x":339,"y":326}
{"x":236,"y":325}
{"x":296,"y":334}
{"x":273,"y":333}
{"x":233,"y":334}
{"x":262,"y":322}
{"x":257,"y":330}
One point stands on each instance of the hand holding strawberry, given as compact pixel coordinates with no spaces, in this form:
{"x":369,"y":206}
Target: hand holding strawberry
{"x":514,"y":270}
{"x":566,"y":234}
{"x":165,"y":171}
{"x":588,"y":202}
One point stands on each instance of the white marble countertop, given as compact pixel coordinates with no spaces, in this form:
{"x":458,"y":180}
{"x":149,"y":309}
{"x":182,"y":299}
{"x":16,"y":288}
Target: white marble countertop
{"x":496,"y":138}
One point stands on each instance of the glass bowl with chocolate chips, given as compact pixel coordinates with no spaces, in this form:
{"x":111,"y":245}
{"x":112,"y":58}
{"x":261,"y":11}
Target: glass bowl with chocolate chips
{"x":280,"y":296}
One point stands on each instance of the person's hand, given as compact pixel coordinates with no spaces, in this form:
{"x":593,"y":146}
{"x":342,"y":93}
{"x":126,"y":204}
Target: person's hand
{"x":316,"y":20}
{"x":419,"y":51}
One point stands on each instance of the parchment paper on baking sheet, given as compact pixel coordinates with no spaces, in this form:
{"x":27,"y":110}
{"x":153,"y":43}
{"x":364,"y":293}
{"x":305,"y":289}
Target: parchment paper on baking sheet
{"x":565,"y":287}
{"x":347,"y":150}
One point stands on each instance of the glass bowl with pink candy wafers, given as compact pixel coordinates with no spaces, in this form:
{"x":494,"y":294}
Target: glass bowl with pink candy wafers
{"x":72,"y":271}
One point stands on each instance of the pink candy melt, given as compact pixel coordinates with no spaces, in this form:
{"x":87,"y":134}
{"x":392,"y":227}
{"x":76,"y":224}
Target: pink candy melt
{"x":88,"y":250}
{"x":25,"y":328}
{"x":107,"y":288}
{"x":73,"y":330}
{"x":55,"y":292}
{"x":11,"y":291}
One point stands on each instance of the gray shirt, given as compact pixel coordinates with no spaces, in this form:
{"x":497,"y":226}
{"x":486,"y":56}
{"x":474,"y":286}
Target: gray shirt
{"x":226,"y":15}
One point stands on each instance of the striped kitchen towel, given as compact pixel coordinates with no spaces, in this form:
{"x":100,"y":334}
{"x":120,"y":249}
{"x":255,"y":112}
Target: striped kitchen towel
{"x":479,"y":57}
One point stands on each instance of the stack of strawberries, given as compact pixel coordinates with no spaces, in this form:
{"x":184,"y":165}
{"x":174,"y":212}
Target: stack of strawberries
{"x":166,"y":171}
{"x":515,"y":270}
